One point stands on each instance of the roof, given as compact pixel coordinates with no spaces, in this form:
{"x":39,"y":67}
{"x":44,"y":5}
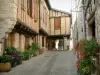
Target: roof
{"x":50,"y":8}
{"x":48,"y":4}
{"x":61,"y":11}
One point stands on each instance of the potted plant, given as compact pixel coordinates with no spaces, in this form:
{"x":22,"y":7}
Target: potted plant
{"x":5,"y":63}
{"x":86,"y":51}
{"x":36,"y":52}
{"x":36,"y":48}
{"x":41,"y":50}
{"x":26,"y":55}
{"x":16,"y":58}
{"x":15,"y":55}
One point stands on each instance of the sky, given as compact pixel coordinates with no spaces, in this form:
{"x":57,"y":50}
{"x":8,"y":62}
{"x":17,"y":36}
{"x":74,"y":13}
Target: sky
{"x":64,"y":5}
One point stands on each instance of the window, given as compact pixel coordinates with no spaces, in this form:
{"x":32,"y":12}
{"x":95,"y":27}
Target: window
{"x":26,"y":42}
{"x":57,"y":22}
{"x":29,"y":7}
{"x":42,"y":41}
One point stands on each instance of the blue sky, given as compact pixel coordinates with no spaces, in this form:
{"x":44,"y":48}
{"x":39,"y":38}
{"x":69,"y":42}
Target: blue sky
{"x":64,"y":5}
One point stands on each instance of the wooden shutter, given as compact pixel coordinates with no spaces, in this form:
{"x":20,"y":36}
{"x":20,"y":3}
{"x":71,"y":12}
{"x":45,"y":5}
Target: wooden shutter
{"x":29,"y":7}
{"x":43,"y":13}
{"x":36,"y":5}
{"x":57,"y":23}
{"x":22,"y":3}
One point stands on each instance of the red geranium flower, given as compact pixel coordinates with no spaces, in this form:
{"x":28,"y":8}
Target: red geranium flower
{"x":97,"y":50}
{"x":84,"y":54}
{"x":81,"y":42}
{"x":94,"y":56}
{"x":77,"y":65}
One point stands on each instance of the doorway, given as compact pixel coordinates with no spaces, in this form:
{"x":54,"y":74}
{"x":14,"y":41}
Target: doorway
{"x":91,"y":31}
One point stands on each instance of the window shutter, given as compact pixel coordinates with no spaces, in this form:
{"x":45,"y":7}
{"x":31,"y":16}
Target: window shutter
{"x":36,"y":5}
{"x":57,"y":23}
{"x":29,"y":7}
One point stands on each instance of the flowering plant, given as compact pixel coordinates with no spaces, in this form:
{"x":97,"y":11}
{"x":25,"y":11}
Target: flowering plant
{"x":86,"y":50}
{"x":15,"y":54}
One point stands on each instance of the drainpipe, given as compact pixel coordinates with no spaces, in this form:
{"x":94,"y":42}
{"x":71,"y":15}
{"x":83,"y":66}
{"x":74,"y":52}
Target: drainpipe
{"x":83,"y":19}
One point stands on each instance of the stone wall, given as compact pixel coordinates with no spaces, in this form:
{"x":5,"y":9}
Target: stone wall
{"x":97,"y":22}
{"x":90,"y":18}
{"x":66,"y":43}
{"x":77,"y":26}
{"x":8,"y":16}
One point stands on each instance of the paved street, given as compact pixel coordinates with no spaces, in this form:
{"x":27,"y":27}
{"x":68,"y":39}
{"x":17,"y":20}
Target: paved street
{"x":49,"y":63}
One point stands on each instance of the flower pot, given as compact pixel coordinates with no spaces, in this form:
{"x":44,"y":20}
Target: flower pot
{"x":5,"y":67}
{"x":21,"y":61}
{"x":41,"y":51}
{"x":16,"y":62}
{"x":27,"y":58}
{"x":36,"y":53}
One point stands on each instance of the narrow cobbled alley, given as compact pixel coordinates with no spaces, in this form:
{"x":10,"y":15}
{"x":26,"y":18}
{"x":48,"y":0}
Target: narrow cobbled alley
{"x":49,"y":63}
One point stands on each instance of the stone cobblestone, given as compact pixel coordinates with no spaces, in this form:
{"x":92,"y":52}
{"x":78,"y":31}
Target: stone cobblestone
{"x":49,"y":63}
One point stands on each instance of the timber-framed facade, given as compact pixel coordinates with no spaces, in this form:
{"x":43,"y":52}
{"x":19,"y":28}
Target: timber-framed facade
{"x":34,"y":21}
